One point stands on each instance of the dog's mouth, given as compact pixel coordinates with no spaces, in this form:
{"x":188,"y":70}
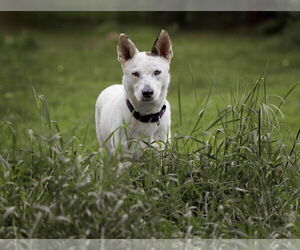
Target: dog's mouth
{"x":147,"y":99}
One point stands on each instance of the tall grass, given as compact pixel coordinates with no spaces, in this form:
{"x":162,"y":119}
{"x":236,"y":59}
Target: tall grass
{"x":235,"y":177}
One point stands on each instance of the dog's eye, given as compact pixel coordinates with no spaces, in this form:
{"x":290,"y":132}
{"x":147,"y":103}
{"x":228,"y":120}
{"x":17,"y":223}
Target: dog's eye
{"x":136,"y":74}
{"x":157,"y":72}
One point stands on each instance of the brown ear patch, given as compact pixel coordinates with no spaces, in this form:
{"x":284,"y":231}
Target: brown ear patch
{"x":150,"y":53}
{"x":163,"y":46}
{"x":126,"y":48}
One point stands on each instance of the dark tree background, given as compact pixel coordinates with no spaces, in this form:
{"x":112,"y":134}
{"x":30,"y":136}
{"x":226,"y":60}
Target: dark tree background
{"x":285,"y":24}
{"x":265,"y":22}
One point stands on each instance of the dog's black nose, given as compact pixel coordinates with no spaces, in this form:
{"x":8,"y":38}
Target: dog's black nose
{"x":147,"y":91}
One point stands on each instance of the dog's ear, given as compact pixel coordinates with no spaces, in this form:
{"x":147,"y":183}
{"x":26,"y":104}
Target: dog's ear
{"x":163,"y":46}
{"x":126,"y":48}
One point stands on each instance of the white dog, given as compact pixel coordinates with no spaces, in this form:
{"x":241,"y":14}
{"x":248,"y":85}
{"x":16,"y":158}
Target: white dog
{"x":137,"y":109}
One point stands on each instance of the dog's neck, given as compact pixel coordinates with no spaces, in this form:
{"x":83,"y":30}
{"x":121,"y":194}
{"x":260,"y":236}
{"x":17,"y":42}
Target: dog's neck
{"x":146,"y":108}
{"x":150,"y":118}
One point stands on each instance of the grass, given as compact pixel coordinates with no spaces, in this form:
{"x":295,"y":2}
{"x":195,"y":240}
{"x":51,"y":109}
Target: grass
{"x":78,"y":64}
{"x":236,"y":179}
{"x":231,"y":171}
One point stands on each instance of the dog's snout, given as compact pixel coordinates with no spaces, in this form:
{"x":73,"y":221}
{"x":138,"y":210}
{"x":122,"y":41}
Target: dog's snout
{"x":147,"y":91}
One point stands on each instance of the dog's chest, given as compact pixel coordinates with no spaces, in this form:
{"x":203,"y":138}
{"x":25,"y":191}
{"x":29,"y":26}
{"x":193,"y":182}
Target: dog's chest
{"x":139,"y":129}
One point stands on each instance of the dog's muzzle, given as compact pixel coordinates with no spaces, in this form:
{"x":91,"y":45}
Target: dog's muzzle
{"x":147,"y":91}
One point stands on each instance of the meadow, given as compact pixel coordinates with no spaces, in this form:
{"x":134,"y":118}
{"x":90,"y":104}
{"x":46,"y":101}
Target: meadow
{"x":231,"y":170}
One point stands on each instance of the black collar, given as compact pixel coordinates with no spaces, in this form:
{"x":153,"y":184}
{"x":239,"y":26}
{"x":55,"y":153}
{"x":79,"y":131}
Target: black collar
{"x":146,"y":118}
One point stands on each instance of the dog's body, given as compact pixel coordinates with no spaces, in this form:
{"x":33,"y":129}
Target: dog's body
{"x":137,"y":109}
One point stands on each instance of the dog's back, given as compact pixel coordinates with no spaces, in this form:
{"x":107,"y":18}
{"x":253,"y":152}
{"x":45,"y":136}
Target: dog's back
{"x":108,"y":112}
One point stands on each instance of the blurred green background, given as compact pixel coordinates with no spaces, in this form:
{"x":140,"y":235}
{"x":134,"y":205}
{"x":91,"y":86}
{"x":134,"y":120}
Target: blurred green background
{"x":70,"y":57}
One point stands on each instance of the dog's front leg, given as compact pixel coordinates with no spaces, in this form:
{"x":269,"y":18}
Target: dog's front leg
{"x":162,"y":138}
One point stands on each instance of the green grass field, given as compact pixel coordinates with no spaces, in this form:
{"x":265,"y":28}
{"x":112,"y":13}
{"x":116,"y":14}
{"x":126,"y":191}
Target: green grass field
{"x":232,"y":169}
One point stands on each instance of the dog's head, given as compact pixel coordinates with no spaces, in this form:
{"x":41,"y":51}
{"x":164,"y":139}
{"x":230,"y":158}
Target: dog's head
{"x":146,"y":74}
